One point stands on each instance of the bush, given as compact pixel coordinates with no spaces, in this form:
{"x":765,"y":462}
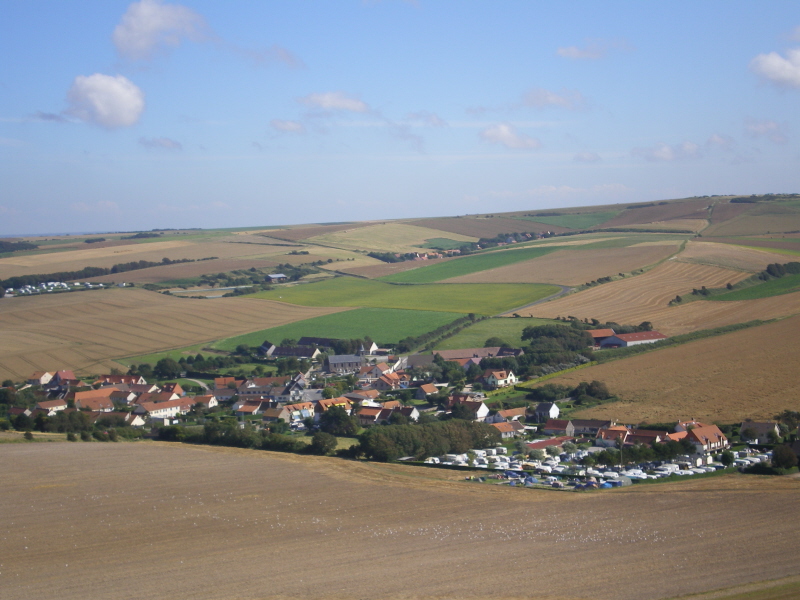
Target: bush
{"x":783,"y":457}
{"x":71,"y":437}
{"x":86,"y":436}
{"x":323,"y":443}
{"x":28,"y":435}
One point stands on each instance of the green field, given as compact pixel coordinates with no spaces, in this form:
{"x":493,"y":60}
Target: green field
{"x":442,"y":244}
{"x":507,"y":329}
{"x":577,"y":221}
{"x":478,"y":298}
{"x":773,"y":287}
{"x":468,"y":264}
{"x":384,"y":325}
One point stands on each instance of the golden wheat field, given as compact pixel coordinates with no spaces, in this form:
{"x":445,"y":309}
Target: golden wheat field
{"x":573,"y":267}
{"x":636,"y":299}
{"x":151,"y":520}
{"x":385,"y":237}
{"x":750,"y":373}
{"x":85,"y":331}
{"x":304,"y":232}
{"x":726,"y":256}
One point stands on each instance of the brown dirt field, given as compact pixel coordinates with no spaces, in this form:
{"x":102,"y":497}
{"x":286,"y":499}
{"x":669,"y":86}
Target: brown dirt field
{"x":572,"y":267}
{"x":675,"y":225}
{"x":148,"y":520}
{"x":639,"y":298}
{"x":487,"y":228}
{"x":759,"y":219}
{"x":689,"y":209}
{"x":302,"y":233}
{"x":107,"y":257}
{"x":727,"y":378}
{"x":726,"y":256}
{"x":787,"y":242}
{"x":85,"y":331}
{"x":725,"y":211}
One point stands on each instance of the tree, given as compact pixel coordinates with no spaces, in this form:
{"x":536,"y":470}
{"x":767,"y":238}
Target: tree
{"x":552,"y":451}
{"x":748,"y":433}
{"x":462,"y":411}
{"x":495,"y":341}
{"x":569,"y":447}
{"x":536,"y":454}
{"x":28,"y":436}
{"x":727,"y":458}
{"x":783,"y":457}
{"x":323,"y":443}
{"x":166,"y":368}
{"x":336,"y":421}
{"x":8,"y":383}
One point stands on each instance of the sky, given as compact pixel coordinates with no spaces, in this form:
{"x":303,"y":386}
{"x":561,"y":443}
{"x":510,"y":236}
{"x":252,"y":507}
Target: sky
{"x":123,"y":116}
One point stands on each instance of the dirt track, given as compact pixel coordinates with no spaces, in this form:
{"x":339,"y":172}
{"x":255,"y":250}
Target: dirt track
{"x":151,"y":520}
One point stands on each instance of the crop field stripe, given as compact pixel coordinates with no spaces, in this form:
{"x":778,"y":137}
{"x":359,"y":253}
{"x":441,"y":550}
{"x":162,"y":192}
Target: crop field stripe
{"x":467,"y":265}
{"x":774,"y":287}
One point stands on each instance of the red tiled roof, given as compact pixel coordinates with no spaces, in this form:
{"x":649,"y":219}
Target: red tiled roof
{"x":640,"y":336}
{"x":600,"y":333}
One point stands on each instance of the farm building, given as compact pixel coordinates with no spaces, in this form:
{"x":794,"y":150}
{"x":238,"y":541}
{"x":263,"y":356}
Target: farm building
{"x":759,"y":433}
{"x":344,"y":363}
{"x":559,"y":427}
{"x":276,"y":278}
{"x":545,"y":411}
{"x":623,"y":340}
{"x":494,"y":351}
{"x":599,"y":335}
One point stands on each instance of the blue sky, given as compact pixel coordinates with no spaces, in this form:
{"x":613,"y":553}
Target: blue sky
{"x":139,"y":115}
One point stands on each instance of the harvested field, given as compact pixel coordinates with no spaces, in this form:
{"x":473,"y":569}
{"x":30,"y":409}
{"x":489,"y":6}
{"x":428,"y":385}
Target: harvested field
{"x":761,"y":218}
{"x":727,"y":378}
{"x":384,"y":237}
{"x":675,"y":225}
{"x":486,"y":227}
{"x":303,"y":233}
{"x":786,"y":243}
{"x":84,"y":331}
{"x":641,"y":298}
{"x":573,"y":267}
{"x":682,"y":209}
{"x":726,"y":256}
{"x":74,"y":260}
{"x":725,"y":211}
{"x":184,"y":270}
{"x":382,"y":269}
{"x":198,"y":530}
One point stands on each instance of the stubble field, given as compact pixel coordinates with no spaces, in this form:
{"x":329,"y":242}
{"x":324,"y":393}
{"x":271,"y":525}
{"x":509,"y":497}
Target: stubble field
{"x":87,"y":330}
{"x":747,"y":374}
{"x":88,"y":518}
{"x":384,"y":237}
{"x":726,"y":256}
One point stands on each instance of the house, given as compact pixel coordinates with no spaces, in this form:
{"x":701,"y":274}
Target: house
{"x":545,"y":411}
{"x":122,"y":396}
{"x":686,"y":425}
{"x":610,"y":436}
{"x":707,"y":439}
{"x":419,"y":361}
{"x":302,"y":352}
{"x":499,"y":379}
{"x":599,"y":335}
{"x":759,"y":433}
{"x":368,"y":415}
{"x":624,"y":340}
{"x":40,"y":378}
{"x":325,"y":405}
{"x":223,"y":383}
{"x":208,"y":401}
{"x":590,"y":426}
{"x":51,"y":406}
{"x":479,"y":410}
{"x":117,"y":379}
{"x":559,"y":427}
{"x":156,"y":397}
{"x":544,"y":444}
{"x":147,"y":388}
{"x":425,"y":390}
{"x":506,"y":429}
{"x":272,"y":415}
{"x":276,"y":278}
{"x":63,"y":378}
{"x":99,"y":400}
{"x":250,"y":407}
{"x":174,"y":388}
{"x":479,"y":353}
{"x":364,"y":397}
{"x":344,"y":363}
{"x":163,"y":410}
{"x":513,"y":414}
{"x":301,"y":410}
{"x":389,"y":381}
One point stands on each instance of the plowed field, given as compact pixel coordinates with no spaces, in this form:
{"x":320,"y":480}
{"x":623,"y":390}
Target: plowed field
{"x":690,"y":209}
{"x":86,"y":330}
{"x":572,"y":267}
{"x":641,"y":298}
{"x":745,"y":374}
{"x":225,"y":523}
{"x":486,"y":228}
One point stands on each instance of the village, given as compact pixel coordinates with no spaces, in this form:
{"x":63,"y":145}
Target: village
{"x":351,"y":393}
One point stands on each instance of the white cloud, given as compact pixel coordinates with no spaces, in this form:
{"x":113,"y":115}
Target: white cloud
{"x":662,"y":152}
{"x":150,"y":25}
{"x":780,"y":71}
{"x":288,"y":126}
{"x":771,"y":130}
{"x":587,"y":157}
{"x":335,"y":101}
{"x":427,"y":118}
{"x":542,"y":98}
{"x":720,"y":140}
{"x":105,"y":100}
{"x":509,"y":137}
{"x":160,"y":143}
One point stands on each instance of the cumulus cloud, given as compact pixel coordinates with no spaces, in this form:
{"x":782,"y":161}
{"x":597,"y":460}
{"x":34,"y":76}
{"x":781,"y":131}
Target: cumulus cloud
{"x":586,"y":157}
{"x":662,"y":152}
{"x":509,"y":137}
{"x":150,"y":25}
{"x":594,"y":49}
{"x":161,"y":143}
{"x":722,"y":141}
{"x":287,"y":126}
{"x":105,"y":100}
{"x":542,"y":98}
{"x":784,"y":72}
{"x":427,"y":118}
{"x":774,"y":132}
{"x":335,"y":101}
